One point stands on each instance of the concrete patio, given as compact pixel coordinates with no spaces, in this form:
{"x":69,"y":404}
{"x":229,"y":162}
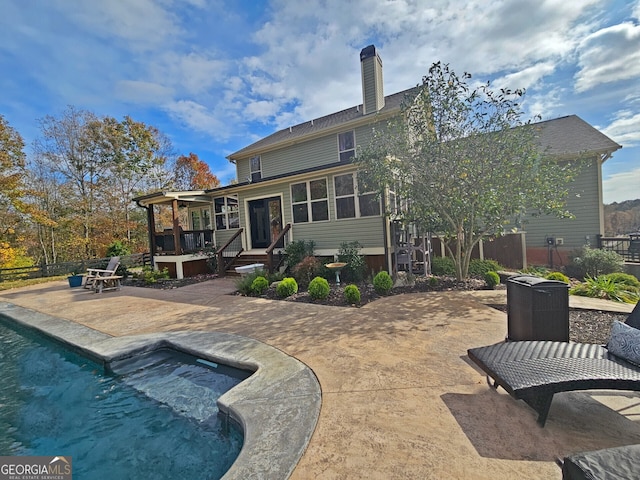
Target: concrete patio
{"x":399,"y":397}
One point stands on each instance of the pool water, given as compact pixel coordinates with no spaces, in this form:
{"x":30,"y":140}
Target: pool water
{"x":157,"y":422}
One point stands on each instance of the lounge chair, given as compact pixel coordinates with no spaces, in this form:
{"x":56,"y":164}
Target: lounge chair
{"x":618,"y":463}
{"x":534,"y":371}
{"x":93,"y":273}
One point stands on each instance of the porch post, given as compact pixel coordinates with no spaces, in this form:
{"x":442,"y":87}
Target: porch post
{"x":151,"y":226}
{"x":176,"y":227}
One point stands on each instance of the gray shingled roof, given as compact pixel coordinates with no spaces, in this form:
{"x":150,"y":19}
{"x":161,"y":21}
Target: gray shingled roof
{"x":571,"y":135}
{"x":391,"y":103}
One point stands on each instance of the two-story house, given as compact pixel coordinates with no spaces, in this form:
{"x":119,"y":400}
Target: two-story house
{"x":300,"y":184}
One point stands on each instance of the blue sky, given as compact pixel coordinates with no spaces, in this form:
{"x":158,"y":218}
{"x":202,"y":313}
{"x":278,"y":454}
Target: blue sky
{"x":216,"y":75}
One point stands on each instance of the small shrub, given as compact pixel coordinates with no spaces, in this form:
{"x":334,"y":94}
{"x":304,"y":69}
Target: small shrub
{"x":559,"y":276}
{"x":306,"y":270}
{"x":434,"y":282}
{"x":352,"y":294}
{"x":443,"y":266}
{"x":118,"y":249}
{"x":624,"y":279}
{"x":605,"y":288}
{"x":297,"y":250}
{"x":492,"y":279}
{"x":591,"y":262}
{"x":535,"y":270}
{"x":356,"y":267}
{"x":478,"y":268}
{"x":287,"y":287}
{"x":259,"y":285}
{"x":318,"y":288}
{"x":244,"y":284}
{"x":148,"y":275}
{"x":382,"y":283}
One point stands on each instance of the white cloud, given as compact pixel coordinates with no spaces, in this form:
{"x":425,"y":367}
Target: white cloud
{"x":625,"y":129}
{"x":525,"y":78}
{"x":197,"y":117}
{"x":142,"y":92}
{"x":142,"y":24}
{"x":610,"y":54}
{"x":621,"y":186}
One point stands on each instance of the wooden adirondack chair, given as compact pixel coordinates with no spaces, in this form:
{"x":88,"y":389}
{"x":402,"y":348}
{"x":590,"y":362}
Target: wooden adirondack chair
{"x":93,"y":273}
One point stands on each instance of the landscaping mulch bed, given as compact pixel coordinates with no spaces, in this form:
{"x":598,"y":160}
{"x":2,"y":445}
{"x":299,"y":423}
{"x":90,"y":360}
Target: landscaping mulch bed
{"x":587,"y":326}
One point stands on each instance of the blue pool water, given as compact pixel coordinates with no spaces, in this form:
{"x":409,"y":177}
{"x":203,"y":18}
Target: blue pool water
{"x":159,"y":422}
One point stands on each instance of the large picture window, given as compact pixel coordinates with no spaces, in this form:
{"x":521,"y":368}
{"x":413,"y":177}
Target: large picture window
{"x":346,"y":146}
{"x":226,"y":213}
{"x":255,"y":166}
{"x":350,"y":203}
{"x":310,"y":201}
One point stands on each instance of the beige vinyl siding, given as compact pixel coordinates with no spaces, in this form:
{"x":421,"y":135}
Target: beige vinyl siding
{"x":310,"y":154}
{"x":368,"y":231}
{"x":584,"y":201}
{"x":221,"y":237}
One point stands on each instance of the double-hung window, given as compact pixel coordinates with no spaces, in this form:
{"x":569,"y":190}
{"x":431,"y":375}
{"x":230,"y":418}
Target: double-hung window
{"x":350,"y":202}
{"x":201,"y":219}
{"x":255,"y":167}
{"x":226,"y":213}
{"x":346,"y":146}
{"x":310,"y":201}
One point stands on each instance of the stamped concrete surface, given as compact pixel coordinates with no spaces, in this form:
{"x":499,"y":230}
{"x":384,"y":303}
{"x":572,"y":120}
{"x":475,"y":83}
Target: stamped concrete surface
{"x":400,"y":399}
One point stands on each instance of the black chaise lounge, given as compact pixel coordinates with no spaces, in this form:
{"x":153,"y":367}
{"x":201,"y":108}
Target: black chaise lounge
{"x":534,"y":371}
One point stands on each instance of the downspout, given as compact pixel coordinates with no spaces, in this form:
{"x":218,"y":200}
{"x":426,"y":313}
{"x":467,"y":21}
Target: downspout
{"x":385,"y":233}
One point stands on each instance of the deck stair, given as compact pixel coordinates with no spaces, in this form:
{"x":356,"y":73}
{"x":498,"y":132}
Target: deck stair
{"x":246,"y":260}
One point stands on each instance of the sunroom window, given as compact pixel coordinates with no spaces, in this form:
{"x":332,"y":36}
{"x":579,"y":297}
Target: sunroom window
{"x":350,"y":203}
{"x":226,"y":213}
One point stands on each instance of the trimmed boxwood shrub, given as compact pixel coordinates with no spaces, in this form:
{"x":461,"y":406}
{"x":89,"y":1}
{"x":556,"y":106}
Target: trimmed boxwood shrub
{"x":491,"y":279}
{"x":259,"y":285}
{"x":352,"y":294}
{"x":624,"y":278}
{"x":382,"y":283}
{"x":318,"y":288}
{"x":287,"y":287}
{"x":559,"y":276}
{"x":443,"y":266}
{"x":478,"y":268}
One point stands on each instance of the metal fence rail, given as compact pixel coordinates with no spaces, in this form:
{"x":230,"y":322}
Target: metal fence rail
{"x":627,"y":247}
{"x":64,"y":268}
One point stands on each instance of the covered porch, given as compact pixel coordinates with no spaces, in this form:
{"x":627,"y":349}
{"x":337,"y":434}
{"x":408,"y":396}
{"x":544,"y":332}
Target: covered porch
{"x":180,"y":231}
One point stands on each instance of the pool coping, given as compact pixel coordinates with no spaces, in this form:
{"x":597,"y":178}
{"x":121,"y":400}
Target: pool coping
{"x":277,"y":407}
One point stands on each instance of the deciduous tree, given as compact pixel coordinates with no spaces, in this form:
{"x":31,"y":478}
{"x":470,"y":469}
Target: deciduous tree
{"x":465,"y":162}
{"x":191,"y":173}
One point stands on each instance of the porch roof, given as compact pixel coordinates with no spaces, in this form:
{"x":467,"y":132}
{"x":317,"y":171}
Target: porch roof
{"x":167,"y":198}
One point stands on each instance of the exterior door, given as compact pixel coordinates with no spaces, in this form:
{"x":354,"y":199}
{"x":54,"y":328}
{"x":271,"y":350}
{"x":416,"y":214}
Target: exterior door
{"x":265,"y":221}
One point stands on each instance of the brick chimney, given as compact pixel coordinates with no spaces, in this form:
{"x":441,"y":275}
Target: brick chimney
{"x":372,"y":94}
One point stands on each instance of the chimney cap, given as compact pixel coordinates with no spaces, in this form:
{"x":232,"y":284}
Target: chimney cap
{"x":367,"y":52}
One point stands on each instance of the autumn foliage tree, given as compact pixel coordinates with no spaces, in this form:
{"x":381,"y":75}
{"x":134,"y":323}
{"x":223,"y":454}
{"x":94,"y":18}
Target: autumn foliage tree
{"x":191,"y":173}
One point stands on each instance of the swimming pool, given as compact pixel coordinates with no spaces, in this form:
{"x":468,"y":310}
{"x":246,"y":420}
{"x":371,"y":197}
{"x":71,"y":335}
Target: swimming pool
{"x":278,"y":406}
{"x":157,"y":418}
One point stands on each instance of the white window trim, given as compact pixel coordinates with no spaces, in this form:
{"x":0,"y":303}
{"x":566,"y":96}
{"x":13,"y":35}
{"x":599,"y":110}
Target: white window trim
{"x":309,"y":202}
{"x":225,"y":214}
{"x":349,"y":150}
{"x":356,"y":194}
{"x":251,"y":171}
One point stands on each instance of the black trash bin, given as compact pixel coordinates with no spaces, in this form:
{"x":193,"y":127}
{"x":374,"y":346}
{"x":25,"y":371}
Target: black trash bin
{"x":537,"y":309}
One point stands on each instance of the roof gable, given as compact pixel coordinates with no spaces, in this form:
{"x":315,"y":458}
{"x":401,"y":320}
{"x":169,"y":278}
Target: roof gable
{"x":318,"y":125}
{"x":570,"y":135}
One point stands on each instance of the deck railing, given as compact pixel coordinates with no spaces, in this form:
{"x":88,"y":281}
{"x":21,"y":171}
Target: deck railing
{"x":191,"y":241}
{"x":282,"y":239}
{"x":627,"y":247}
{"x":229,"y":252}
